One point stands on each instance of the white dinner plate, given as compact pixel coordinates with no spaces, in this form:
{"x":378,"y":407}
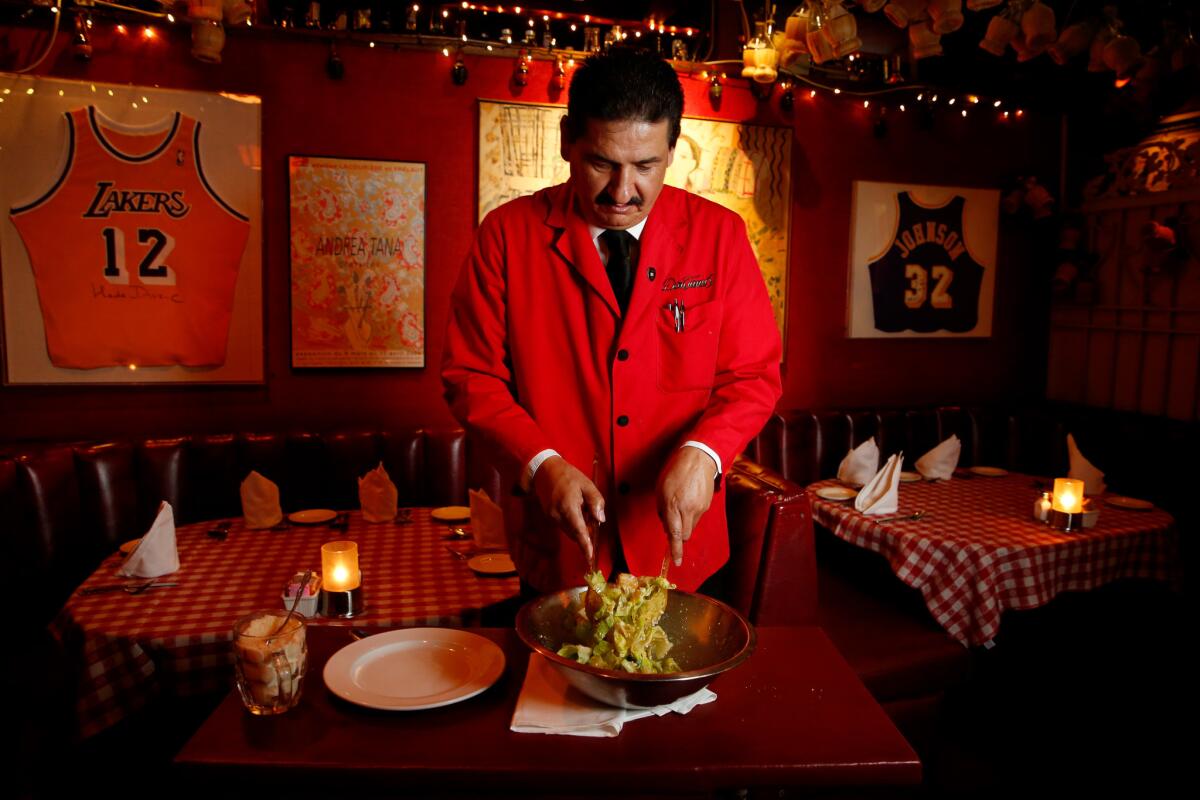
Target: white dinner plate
{"x":988,"y":472}
{"x":414,"y":668}
{"x":311,"y":516}
{"x":836,"y":492}
{"x":451,"y":513}
{"x":492,"y":564}
{"x":1131,"y":503}
{"x":910,"y":477}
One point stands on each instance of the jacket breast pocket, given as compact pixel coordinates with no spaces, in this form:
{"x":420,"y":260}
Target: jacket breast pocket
{"x":687,"y":359}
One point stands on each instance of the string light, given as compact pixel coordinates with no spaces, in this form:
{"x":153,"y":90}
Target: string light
{"x":996,"y":104}
{"x":949,"y":102}
{"x":902,"y":108}
{"x":149,"y":33}
{"x":866,"y":103}
{"x":121,"y":29}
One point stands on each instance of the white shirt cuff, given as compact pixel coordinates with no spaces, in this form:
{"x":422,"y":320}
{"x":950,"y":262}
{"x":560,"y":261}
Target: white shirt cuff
{"x":711,"y":453}
{"x":532,"y":467}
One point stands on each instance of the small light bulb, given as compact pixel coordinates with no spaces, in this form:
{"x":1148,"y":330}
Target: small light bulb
{"x":866,"y":103}
{"x":837,"y":91}
{"x":121,"y":28}
{"x":921,"y":96}
{"x":812,"y":93}
{"x":964,"y":112}
{"x":133,"y":367}
{"x":950,"y":101}
{"x":902,"y":108}
{"x":370,"y":44}
{"x":171,"y":18}
{"x":996,"y":104}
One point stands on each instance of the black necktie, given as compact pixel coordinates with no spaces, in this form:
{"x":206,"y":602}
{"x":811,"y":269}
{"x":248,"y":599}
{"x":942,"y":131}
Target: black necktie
{"x":620,"y":265}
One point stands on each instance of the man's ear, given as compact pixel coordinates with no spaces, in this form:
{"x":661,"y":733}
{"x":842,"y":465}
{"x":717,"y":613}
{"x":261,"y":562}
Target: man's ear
{"x":564,"y":139}
{"x":670,"y":156}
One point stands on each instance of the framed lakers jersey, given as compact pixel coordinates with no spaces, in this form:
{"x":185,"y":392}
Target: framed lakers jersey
{"x":130,"y":235}
{"x":922,"y":260}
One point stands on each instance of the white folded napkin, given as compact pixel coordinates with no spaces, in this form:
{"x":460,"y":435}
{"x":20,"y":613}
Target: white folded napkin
{"x":1082,"y":469}
{"x":260,"y":502}
{"x":859,"y":464}
{"x":939,"y":463}
{"x":548,"y":704}
{"x":881,"y":495}
{"x":156,"y":554}
{"x":377,"y":496}
{"x":487,"y":522}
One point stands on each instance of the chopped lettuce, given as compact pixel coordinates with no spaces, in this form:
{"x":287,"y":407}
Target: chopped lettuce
{"x":617,"y":628}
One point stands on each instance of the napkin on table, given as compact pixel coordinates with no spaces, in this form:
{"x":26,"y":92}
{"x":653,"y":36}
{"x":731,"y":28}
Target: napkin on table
{"x":881,"y":495}
{"x":377,"y":496}
{"x":260,"y":502}
{"x":156,"y":554}
{"x":548,"y":704}
{"x":487,"y":522}
{"x":1082,"y":469}
{"x":939,"y":463}
{"x":859,"y":464}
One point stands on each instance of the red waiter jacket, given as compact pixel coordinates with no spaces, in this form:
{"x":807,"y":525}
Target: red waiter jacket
{"x":537,"y":356}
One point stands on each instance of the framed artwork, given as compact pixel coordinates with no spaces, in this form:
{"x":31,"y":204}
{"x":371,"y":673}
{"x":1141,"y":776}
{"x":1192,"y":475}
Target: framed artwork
{"x":745,"y":168}
{"x":358,"y":262}
{"x":922,"y":261}
{"x":131,"y":237}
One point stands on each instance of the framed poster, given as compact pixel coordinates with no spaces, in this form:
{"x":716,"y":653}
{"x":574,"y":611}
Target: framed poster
{"x":746,"y":168}
{"x":358,"y":262}
{"x":922,"y":260}
{"x":131,"y":238}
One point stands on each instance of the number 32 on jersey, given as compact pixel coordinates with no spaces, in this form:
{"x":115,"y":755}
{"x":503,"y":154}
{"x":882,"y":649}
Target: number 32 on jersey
{"x":918,"y":286}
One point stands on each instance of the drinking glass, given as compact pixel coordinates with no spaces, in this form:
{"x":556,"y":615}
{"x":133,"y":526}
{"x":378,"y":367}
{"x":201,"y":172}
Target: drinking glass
{"x":270,"y":661}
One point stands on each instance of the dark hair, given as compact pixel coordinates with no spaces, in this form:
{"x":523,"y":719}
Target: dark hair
{"x":625,"y":83}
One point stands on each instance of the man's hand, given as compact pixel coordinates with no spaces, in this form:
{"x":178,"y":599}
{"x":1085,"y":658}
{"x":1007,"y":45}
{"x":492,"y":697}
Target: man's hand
{"x":685,"y":491}
{"x":568,"y":497}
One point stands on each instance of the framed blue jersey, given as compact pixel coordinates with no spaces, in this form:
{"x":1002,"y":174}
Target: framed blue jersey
{"x":922,"y":260}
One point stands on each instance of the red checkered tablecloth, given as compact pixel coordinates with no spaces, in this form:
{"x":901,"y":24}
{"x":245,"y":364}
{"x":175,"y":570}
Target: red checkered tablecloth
{"x":978,"y":551}
{"x":177,"y":640}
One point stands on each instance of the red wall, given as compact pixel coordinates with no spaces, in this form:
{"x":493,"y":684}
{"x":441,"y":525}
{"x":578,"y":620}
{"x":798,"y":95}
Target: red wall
{"x":402,"y":105}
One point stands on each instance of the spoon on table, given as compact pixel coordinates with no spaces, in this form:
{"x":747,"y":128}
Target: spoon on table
{"x":913,"y":517}
{"x":295,"y":602}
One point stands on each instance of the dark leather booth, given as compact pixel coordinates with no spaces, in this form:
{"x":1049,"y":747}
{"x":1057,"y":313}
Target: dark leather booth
{"x":881,"y":625}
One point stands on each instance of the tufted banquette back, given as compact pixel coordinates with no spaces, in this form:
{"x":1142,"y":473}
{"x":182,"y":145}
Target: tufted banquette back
{"x":67,"y":506}
{"x":1135,"y":451}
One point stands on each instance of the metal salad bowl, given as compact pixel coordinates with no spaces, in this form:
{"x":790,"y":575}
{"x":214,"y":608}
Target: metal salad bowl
{"x":707,"y":636}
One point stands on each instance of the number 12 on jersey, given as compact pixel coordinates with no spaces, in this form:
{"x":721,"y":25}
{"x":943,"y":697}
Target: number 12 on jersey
{"x":152,"y":270}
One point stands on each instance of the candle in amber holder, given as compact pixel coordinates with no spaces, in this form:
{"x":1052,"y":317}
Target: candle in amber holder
{"x":341,"y":579}
{"x":1067,"y":504}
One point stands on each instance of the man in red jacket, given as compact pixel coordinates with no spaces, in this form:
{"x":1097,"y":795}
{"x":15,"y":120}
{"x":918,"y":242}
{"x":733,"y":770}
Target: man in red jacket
{"x":613,"y":337}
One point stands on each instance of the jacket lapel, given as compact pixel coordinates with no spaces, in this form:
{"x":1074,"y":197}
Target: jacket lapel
{"x":572,"y":242}
{"x":660,"y":247}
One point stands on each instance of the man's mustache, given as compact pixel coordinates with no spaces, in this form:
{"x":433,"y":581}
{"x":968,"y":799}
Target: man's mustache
{"x":606,"y":199}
